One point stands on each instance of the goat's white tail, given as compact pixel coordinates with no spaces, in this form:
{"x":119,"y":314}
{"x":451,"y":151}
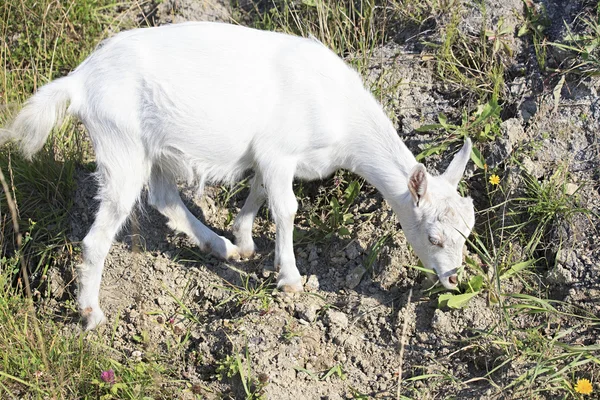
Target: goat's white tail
{"x":41,"y":113}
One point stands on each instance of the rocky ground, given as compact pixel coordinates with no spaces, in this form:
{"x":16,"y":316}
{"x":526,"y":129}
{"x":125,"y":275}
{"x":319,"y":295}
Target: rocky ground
{"x":343,"y":337}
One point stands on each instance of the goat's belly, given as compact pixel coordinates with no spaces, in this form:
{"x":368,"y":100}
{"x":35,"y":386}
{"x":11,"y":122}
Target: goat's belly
{"x":310,"y":172}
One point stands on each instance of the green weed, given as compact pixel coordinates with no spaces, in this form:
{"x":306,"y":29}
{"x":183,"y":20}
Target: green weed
{"x":233,"y":365}
{"x":50,"y":363}
{"x":481,"y":125}
{"x":535,"y":21}
{"x":584,"y":47}
{"x":249,"y":291}
{"x":337,"y":371}
{"x":330,"y":214}
{"x":474,"y":65}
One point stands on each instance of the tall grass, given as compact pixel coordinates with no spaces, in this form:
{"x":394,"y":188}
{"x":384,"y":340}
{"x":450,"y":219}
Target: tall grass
{"x":352,"y":29}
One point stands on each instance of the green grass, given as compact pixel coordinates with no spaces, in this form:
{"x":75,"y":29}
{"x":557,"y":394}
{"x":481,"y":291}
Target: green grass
{"x":510,"y":248}
{"x":38,"y":359}
{"x":472,"y":64}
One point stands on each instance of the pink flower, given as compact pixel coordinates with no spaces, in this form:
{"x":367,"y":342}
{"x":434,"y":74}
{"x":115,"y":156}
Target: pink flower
{"x":108,"y":376}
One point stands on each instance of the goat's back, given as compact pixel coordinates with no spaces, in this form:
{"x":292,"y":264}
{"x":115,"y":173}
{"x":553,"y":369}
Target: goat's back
{"x":219,"y":95}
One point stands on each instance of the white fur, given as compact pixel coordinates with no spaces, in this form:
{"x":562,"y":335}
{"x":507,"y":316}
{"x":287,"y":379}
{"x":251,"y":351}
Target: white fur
{"x":207,"y":102}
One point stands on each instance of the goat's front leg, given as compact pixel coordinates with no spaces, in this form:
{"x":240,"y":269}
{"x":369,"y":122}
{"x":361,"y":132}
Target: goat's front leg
{"x":283,"y":205}
{"x":242,"y":227}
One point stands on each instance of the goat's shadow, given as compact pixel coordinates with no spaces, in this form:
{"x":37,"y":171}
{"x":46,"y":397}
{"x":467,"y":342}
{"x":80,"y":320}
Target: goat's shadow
{"x":147,"y":231}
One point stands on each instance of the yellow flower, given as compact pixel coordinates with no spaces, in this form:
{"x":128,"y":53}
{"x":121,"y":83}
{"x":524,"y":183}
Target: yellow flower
{"x":494,"y":179}
{"x":584,"y":386}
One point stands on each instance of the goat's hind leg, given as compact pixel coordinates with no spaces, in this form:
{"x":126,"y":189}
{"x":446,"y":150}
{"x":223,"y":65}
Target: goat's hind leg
{"x":242,"y":227}
{"x":164,"y":196}
{"x":119,"y":189}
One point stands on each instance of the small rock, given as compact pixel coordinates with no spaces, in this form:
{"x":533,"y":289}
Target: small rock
{"x":513,"y":130}
{"x":571,"y":188}
{"x":336,"y":319}
{"x":136,"y":355}
{"x":339,"y":260}
{"x":312,"y":284}
{"x":500,"y":152}
{"x":352,"y":251}
{"x":179,"y":329}
{"x":442,"y":323}
{"x":307,"y":312}
{"x":532,"y":168}
{"x":560,"y":275}
{"x":528,"y":109}
{"x":355,"y":276}
{"x":313,"y":256}
{"x":566,"y":257}
{"x":518,"y":86}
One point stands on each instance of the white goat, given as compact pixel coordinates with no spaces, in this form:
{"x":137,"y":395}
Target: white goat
{"x":209,"y":101}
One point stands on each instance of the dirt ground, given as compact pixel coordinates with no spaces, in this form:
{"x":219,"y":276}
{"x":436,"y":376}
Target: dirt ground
{"x":162,"y":295}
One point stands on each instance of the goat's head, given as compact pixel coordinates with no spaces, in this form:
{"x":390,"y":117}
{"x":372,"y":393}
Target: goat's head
{"x":438,"y":220}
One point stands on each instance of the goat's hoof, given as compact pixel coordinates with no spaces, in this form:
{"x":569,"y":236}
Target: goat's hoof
{"x":291,"y":288}
{"x":246,"y":252}
{"x":233,"y":255}
{"x":225,"y":251}
{"x":246,"y":247}
{"x":92,"y":318}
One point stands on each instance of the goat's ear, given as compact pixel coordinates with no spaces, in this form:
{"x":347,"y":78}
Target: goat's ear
{"x":417,"y":183}
{"x":456,"y":169}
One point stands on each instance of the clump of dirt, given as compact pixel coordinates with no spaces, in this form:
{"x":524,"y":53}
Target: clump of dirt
{"x":343,"y":336}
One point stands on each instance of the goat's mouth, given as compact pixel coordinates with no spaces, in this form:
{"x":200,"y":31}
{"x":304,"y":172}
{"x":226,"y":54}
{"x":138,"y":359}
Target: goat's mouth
{"x":449,"y":281}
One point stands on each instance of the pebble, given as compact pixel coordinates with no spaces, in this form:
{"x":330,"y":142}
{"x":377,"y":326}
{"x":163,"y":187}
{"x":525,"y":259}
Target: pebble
{"x":355,"y":276}
{"x":136,"y":355}
{"x":307,"y":312}
{"x":352,"y":251}
{"x":313,"y":256}
{"x":312,"y":283}
{"x":336,"y":319}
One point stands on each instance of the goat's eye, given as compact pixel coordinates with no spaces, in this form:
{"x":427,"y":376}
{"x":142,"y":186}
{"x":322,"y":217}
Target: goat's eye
{"x":434,"y":240}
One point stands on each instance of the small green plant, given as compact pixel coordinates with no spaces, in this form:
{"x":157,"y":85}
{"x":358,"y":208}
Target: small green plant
{"x":585,"y":48}
{"x":467,"y":290}
{"x":250,"y":290}
{"x":230,"y":191}
{"x":419,"y":12}
{"x":331,"y":214}
{"x":545,"y":204}
{"x":338,"y":218}
{"x":290,"y":331}
{"x":336,"y":370}
{"x":375,"y":251}
{"x":535,"y":22}
{"x":483,"y":125}
{"x":233,"y":365}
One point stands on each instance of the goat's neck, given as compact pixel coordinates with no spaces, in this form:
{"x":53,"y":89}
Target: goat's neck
{"x":382,"y":158}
